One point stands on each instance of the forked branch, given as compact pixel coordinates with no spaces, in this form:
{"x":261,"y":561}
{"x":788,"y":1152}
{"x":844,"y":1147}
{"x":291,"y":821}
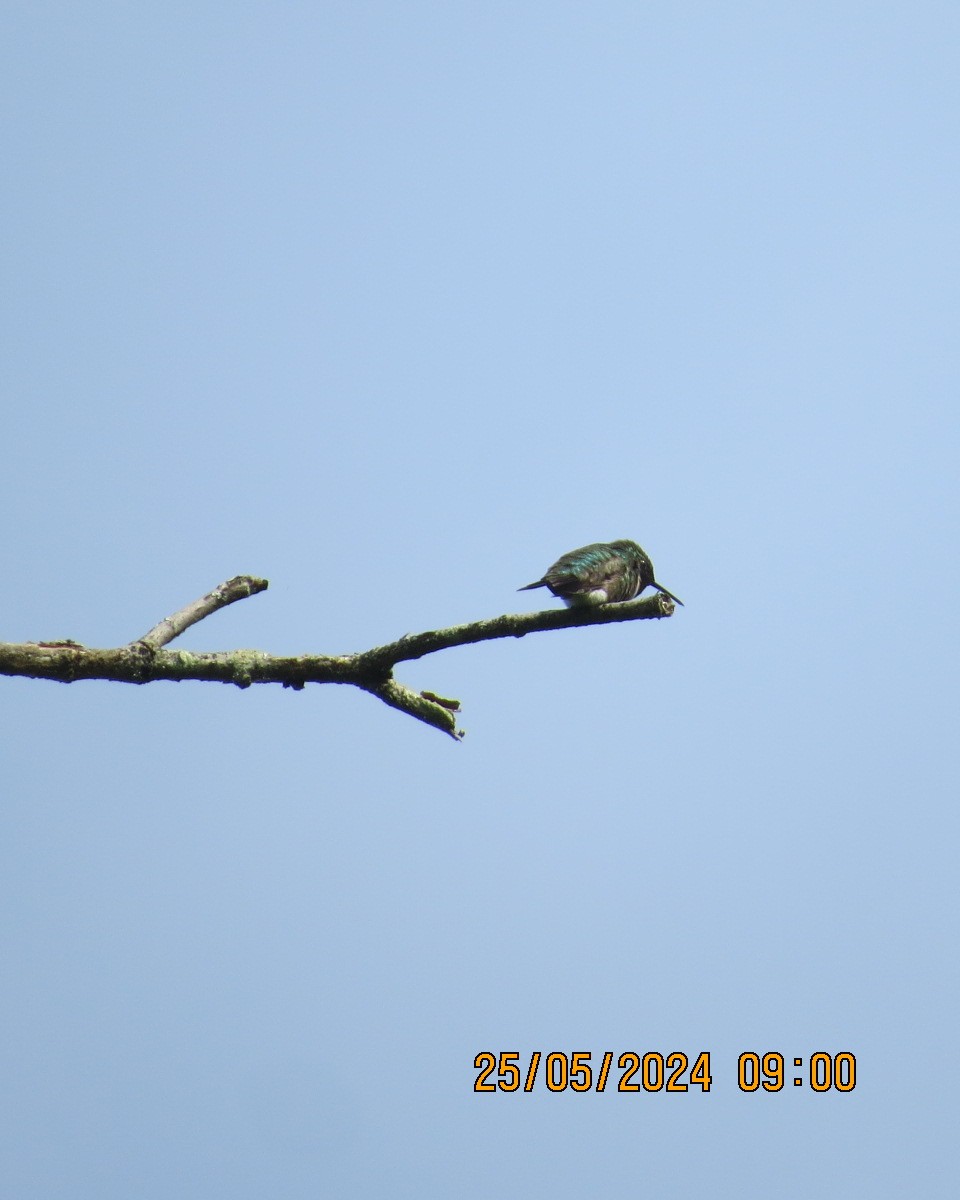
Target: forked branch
{"x":146,"y":660}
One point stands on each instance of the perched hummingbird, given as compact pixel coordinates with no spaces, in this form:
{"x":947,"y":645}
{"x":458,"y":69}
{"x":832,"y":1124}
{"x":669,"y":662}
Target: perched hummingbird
{"x":601,"y":573}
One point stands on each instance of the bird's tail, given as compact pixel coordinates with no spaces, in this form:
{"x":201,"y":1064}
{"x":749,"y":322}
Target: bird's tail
{"x":675,"y":599}
{"x":527,"y":586}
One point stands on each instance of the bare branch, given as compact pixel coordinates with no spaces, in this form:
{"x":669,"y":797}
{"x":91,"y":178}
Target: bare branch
{"x":420,"y":705}
{"x":517,"y":625}
{"x":145,"y":660}
{"x":238,"y":588}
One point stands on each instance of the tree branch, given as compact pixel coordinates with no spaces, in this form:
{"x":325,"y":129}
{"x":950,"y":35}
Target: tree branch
{"x":145,"y":660}
{"x":237,"y":588}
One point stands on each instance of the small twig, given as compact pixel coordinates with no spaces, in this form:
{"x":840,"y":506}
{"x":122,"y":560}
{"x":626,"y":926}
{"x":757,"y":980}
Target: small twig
{"x":398,"y":695}
{"x":452,"y":705}
{"x":145,"y":660}
{"x":238,"y":588}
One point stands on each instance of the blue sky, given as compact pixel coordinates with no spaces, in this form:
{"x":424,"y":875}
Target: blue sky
{"x":393,"y":304}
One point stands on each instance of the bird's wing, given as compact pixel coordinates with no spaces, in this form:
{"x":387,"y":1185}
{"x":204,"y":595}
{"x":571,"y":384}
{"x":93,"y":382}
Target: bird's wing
{"x":584,"y":570}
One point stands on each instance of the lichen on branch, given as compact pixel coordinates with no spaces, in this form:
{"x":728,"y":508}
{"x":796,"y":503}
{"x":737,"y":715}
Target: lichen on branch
{"x":146,"y":660}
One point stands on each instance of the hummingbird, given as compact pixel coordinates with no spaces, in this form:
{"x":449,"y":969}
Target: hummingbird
{"x":601,"y":573}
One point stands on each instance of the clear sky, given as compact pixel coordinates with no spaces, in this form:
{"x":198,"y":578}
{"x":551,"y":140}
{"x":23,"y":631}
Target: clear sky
{"x":393,"y":303}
